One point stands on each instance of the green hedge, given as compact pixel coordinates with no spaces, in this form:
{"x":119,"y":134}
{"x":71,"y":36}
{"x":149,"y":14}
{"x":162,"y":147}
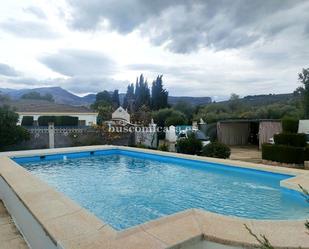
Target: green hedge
{"x":291,"y":139}
{"x":27,"y":121}
{"x":290,"y":125}
{"x":217,"y":150}
{"x":58,"y":120}
{"x":284,"y":153}
{"x":190,"y":145}
{"x":306,"y":154}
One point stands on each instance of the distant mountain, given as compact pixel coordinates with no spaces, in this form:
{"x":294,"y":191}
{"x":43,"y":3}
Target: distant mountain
{"x":90,"y":98}
{"x":62,"y":96}
{"x":31,"y":105}
{"x":172,"y":100}
{"x":265,"y":99}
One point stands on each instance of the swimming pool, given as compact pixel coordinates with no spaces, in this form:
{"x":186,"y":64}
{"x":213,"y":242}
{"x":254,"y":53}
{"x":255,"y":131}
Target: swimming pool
{"x":126,"y":188}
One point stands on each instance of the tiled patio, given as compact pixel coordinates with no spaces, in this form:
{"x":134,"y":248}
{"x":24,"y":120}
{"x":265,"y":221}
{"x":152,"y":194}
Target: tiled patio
{"x":10,"y":238}
{"x":246,"y":154}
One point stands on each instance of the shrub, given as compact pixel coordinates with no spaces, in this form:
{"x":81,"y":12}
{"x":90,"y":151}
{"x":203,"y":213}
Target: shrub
{"x":290,"y":125}
{"x":10,"y":133}
{"x":306,"y":154}
{"x":163,"y":147}
{"x":66,"y":121}
{"x":27,"y":121}
{"x":190,"y":145}
{"x":291,"y":139}
{"x":283,"y":153}
{"x":58,"y":120}
{"x":216,"y":149}
{"x":169,"y":116}
{"x":141,"y":146}
{"x":211,"y":131}
{"x":176,"y":118}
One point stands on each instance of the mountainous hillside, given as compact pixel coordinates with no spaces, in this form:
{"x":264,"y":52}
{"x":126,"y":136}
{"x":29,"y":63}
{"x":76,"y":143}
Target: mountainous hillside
{"x":192,"y":100}
{"x":62,"y":96}
{"x":264,"y":99}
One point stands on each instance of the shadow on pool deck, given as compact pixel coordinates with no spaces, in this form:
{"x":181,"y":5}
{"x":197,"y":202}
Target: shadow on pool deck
{"x":246,"y":154}
{"x":10,"y":238}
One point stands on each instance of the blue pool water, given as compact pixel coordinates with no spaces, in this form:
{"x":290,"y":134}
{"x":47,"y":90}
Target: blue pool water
{"x":126,"y":188}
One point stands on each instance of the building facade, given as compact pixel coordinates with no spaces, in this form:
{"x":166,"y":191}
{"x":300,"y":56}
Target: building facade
{"x":84,"y":118}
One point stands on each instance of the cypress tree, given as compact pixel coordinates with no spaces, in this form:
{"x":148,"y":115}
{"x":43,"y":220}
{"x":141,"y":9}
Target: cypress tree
{"x":142,"y":93}
{"x":128,"y":102}
{"x":115,"y":99}
{"x":159,"y":98}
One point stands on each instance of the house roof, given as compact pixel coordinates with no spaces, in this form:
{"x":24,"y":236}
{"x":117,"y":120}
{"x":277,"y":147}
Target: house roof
{"x":42,"y":106}
{"x":120,"y":109}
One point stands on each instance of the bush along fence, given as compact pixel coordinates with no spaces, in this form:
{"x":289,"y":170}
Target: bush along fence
{"x":290,"y":147}
{"x":27,"y":121}
{"x":58,"y":120}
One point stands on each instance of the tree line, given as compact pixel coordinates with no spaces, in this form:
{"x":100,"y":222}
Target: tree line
{"x":37,"y":96}
{"x":138,"y":100}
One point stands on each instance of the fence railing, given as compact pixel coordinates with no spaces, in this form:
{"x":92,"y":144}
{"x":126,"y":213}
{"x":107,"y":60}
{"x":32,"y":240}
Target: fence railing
{"x":60,"y":129}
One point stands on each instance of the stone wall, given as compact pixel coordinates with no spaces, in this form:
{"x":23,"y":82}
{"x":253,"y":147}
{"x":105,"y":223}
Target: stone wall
{"x":69,"y":137}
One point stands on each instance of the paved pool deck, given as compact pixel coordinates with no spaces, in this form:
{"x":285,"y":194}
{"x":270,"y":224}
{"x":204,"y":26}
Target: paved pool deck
{"x":250,"y":154}
{"x":70,"y":226}
{"x":10,"y":238}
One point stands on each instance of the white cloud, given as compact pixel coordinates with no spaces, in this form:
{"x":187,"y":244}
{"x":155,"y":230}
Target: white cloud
{"x":74,"y":62}
{"x":28,"y":29}
{"x":202,"y":47}
{"x":36,"y":11}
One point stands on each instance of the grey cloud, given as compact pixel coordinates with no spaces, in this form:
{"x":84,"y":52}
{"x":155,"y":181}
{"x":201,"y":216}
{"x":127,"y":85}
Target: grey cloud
{"x":156,"y":68}
{"x":28,"y":29}
{"x":194,"y":80}
{"x":84,"y":84}
{"x":7,"y":70}
{"x":166,"y":69}
{"x":306,"y":29}
{"x":85,"y":71}
{"x":185,"y":26}
{"x":24,"y":81}
{"x":123,"y":15}
{"x":36,"y":11}
{"x":71,"y":62}
{"x":76,"y":84}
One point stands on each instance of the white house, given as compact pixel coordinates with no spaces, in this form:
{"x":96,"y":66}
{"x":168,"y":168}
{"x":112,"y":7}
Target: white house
{"x":121,"y":116}
{"x":303,"y":126}
{"x":86,"y":117}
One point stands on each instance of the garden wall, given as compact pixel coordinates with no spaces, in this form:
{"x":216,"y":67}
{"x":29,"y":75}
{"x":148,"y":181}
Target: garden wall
{"x":68,"y":137}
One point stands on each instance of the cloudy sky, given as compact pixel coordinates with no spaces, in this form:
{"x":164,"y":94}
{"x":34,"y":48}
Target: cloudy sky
{"x":202,"y":47}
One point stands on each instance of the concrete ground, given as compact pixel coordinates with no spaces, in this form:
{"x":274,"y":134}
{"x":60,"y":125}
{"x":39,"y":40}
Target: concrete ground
{"x":246,"y":153}
{"x":10,"y":238}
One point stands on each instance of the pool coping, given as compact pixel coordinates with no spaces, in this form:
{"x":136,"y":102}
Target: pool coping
{"x":71,"y":226}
